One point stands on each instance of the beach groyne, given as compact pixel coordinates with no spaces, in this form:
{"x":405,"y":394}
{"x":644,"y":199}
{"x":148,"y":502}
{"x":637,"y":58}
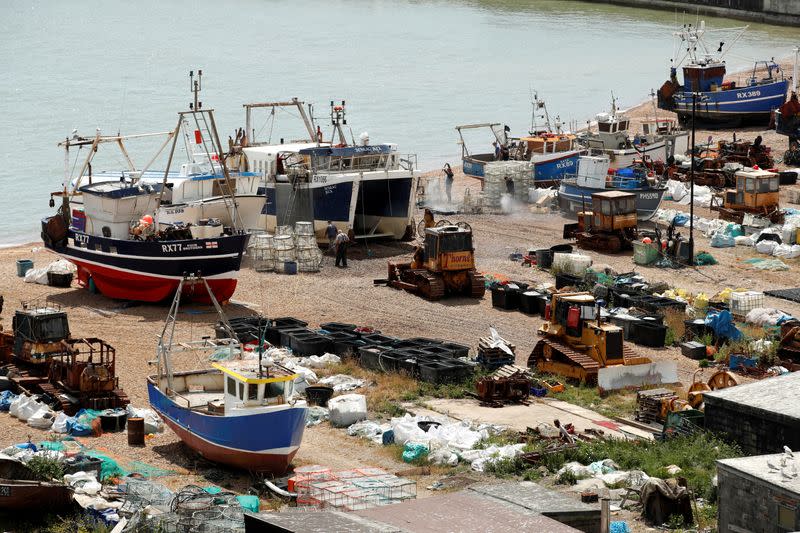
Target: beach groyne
{"x":782,"y":12}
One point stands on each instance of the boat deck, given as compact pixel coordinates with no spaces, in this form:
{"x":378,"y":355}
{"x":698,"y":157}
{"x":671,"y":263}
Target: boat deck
{"x":200,"y":399}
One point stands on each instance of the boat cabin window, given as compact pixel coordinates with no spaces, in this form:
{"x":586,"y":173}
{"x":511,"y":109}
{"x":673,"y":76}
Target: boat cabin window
{"x":274,"y":389}
{"x":252,"y":392}
{"x":231,"y":386}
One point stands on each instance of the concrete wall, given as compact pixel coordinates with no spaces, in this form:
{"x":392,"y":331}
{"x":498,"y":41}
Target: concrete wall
{"x":779,"y":12}
{"x":757,"y":431}
{"x":748,"y":504}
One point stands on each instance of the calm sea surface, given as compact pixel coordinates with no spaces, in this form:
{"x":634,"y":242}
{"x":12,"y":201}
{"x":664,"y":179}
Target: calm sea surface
{"x":409,"y":71}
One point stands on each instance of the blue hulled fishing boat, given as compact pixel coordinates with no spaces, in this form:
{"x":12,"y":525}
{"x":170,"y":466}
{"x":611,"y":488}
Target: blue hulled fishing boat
{"x":575,"y":192}
{"x":719,"y":102}
{"x":241,"y":413}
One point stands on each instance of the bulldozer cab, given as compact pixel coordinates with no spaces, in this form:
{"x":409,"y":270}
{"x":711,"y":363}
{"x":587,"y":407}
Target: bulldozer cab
{"x":574,"y":316}
{"x":448,"y":248}
{"x":755,"y":188}
{"x":39,"y":332}
{"x":613,"y":210}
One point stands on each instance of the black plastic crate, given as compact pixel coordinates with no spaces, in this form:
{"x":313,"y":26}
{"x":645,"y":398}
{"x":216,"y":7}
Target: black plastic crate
{"x":568,"y":280}
{"x":444,"y":372}
{"x":288,"y":321}
{"x":310,"y":343}
{"x":408,"y":364}
{"x":285,"y":335}
{"x":332,"y":327}
{"x":55,"y":279}
{"x":505,"y":298}
{"x":437,"y":349}
{"x":647,"y":333}
{"x":694,"y":329}
{"x":693,"y":350}
{"x":368,"y":356}
{"x":424,"y":341}
{"x":458,"y":350}
{"x":528,"y":302}
{"x":378,"y":339}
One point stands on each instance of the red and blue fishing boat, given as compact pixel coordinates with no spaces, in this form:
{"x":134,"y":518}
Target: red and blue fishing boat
{"x":114,"y":235}
{"x":240,"y":413}
{"x":718,"y":102}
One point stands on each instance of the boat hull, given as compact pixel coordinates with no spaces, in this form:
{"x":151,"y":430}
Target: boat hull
{"x":151,"y":271}
{"x":17,"y":495}
{"x":261,"y":442}
{"x":747,"y":105}
{"x":375,"y":205}
{"x":548,"y":169}
{"x":573,"y":198}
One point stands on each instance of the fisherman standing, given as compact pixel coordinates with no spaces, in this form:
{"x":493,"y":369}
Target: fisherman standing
{"x":448,"y":181}
{"x":330,"y":233}
{"x":341,"y":243}
{"x":496,"y":151}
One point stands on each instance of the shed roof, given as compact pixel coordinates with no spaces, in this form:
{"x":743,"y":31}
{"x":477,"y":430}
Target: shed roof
{"x":777,"y":395}
{"x":768,"y":468}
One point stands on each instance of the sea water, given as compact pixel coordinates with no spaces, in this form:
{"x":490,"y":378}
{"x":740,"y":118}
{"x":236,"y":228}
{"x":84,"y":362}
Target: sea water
{"x":409,"y":72}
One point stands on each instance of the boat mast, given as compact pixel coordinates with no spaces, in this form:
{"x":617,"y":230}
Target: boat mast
{"x":205,"y":133}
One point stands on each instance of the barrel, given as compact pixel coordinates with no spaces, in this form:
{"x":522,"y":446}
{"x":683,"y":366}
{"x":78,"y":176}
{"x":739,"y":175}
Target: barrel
{"x":113,"y":420}
{"x":136,"y":431}
{"x":23,"y":265}
{"x":290,"y":267}
{"x":544,"y":258}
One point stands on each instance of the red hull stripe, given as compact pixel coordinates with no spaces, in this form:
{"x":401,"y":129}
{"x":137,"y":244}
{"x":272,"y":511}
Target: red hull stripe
{"x":122,"y":284}
{"x":276,"y":463}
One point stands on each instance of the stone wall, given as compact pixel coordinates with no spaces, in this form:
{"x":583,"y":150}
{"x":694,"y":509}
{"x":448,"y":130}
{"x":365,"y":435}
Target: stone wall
{"x":757,"y":431}
{"x":780,"y":12}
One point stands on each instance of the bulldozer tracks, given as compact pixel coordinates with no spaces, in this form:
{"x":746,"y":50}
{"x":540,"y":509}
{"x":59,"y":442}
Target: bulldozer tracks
{"x":540,"y":359}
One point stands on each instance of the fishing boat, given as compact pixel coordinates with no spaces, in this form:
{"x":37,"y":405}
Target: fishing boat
{"x":240,"y":413}
{"x":552,"y":152}
{"x":115,"y":239}
{"x":719,"y":103}
{"x":659,"y":140}
{"x":370,"y":188}
{"x":20,"y":495}
{"x":593,"y":176}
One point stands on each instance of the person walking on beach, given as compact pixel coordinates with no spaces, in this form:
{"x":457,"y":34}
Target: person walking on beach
{"x":341,"y":243}
{"x":448,"y":181}
{"x":330,"y":233}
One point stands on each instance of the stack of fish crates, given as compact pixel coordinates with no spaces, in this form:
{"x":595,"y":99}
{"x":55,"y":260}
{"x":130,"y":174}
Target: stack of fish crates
{"x":309,"y":256}
{"x":350,"y":490}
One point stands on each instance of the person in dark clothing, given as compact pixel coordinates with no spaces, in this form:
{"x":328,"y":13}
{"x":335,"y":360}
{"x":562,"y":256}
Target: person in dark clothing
{"x":509,"y":185}
{"x":341,"y":249}
{"x":330,"y":233}
{"x":448,"y":181}
{"x":504,"y":153}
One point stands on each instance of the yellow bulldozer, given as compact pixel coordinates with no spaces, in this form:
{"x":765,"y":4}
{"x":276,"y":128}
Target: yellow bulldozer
{"x":444,"y":264}
{"x":578,"y":345}
{"x":757,"y":192}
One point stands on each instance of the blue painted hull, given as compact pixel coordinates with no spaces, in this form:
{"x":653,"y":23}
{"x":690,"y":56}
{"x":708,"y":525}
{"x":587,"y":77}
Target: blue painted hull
{"x":545,"y":172}
{"x":262,"y":442}
{"x":573,"y":198}
{"x":753,"y":104}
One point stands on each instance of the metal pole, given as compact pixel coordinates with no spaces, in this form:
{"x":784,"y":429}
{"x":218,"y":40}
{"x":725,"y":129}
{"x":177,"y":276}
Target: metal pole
{"x":691,"y":187}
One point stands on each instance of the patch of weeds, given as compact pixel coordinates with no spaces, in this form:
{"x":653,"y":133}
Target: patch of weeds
{"x":567,"y":477}
{"x":389,"y":408}
{"x":703,"y":363}
{"x":670,"y":337}
{"x":46,"y":468}
{"x":615,"y":403}
{"x":673,"y":319}
{"x":707,"y":339}
{"x":506,"y":467}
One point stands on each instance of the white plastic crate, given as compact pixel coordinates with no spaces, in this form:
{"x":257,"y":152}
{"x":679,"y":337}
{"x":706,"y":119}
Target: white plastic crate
{"x":744,"y":302}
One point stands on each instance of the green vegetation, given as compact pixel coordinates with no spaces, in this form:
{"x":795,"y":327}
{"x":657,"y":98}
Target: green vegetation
{"x":615,"y":403}
{"x":696,"y":455}
{"x":46,"y":468}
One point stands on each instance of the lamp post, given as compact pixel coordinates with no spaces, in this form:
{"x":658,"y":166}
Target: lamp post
{"x":691,"y":182}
